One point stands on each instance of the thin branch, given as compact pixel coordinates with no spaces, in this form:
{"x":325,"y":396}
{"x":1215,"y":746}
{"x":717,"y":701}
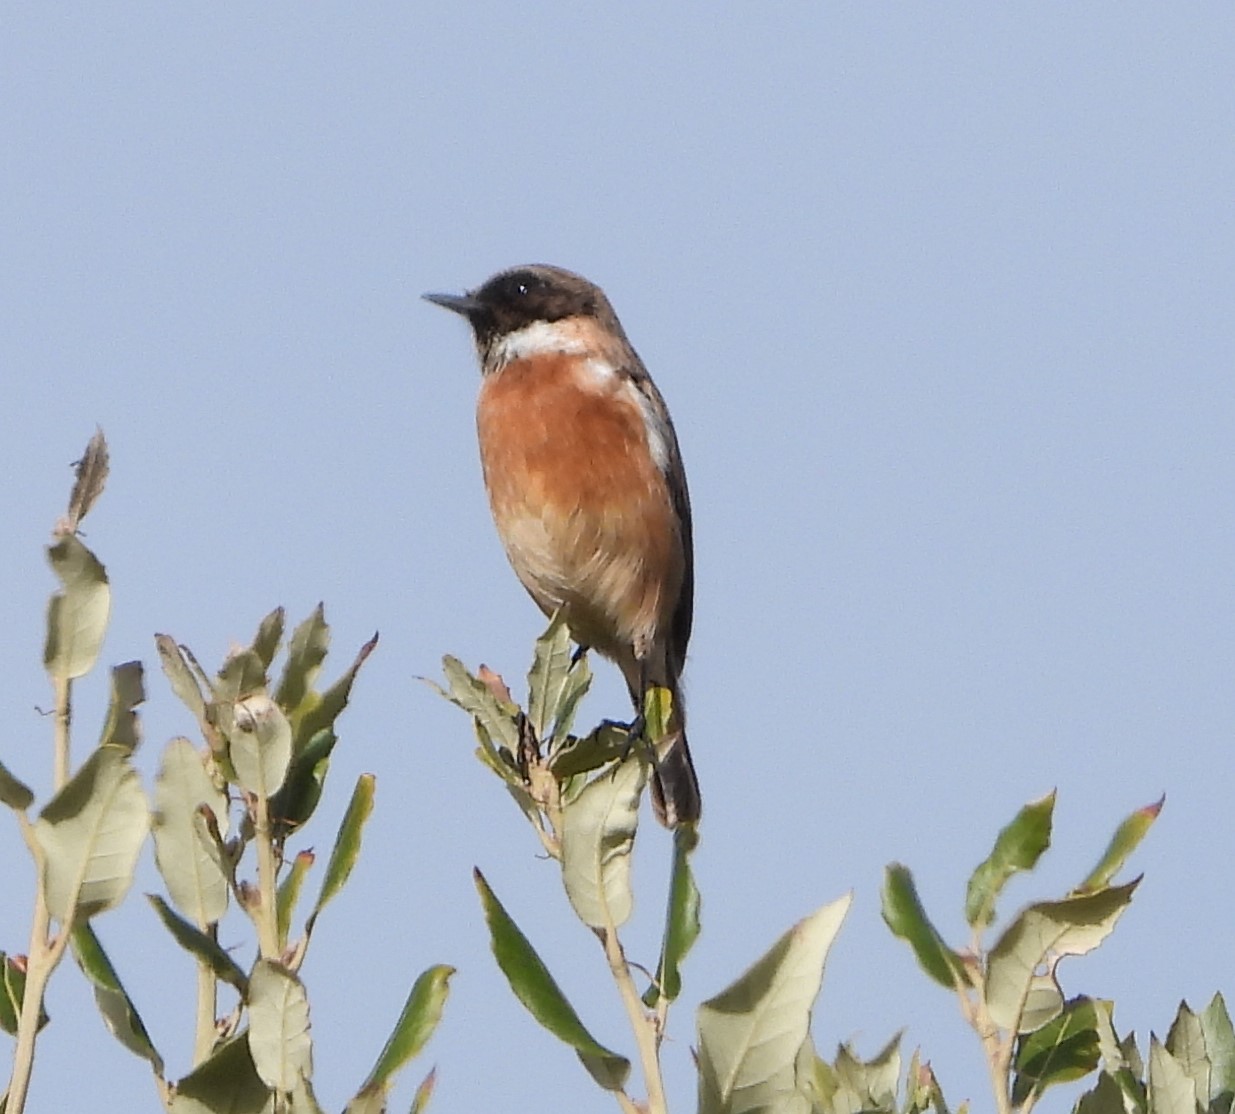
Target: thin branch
{"x":646,"y":1032}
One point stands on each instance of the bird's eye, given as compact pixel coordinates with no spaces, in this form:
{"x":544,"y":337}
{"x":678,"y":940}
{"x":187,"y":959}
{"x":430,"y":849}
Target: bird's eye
{"x":522,"y":289}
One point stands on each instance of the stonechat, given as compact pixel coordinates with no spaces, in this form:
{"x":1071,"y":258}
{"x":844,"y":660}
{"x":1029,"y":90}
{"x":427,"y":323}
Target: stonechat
{"x":587,"y":488}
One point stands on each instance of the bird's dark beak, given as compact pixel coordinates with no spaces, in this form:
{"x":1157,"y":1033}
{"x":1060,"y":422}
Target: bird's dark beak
{"x":457,"y":303}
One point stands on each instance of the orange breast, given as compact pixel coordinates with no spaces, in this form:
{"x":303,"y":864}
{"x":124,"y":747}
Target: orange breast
{"x":582,"y":509}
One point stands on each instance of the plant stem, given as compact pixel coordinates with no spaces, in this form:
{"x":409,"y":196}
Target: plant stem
{"x":266,"y":916}
{"x":44,"y":954}
{"x":44,"y":957}
{"x":207,"y":1004}
{"x":645,"y":1032}
{"x":64,"y":717}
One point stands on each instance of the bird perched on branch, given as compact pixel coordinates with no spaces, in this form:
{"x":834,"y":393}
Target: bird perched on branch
{"x":587,"y":488}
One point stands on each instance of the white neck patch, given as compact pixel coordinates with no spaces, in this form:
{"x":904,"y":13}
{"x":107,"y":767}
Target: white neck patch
{"x":540,"y":338}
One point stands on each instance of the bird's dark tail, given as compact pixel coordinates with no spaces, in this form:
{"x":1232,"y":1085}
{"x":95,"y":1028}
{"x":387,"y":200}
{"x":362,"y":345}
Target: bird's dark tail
{"x":675,"y":788}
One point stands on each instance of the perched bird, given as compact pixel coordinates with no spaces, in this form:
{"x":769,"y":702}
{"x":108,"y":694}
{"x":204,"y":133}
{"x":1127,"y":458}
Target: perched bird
{"x":586,"y":485}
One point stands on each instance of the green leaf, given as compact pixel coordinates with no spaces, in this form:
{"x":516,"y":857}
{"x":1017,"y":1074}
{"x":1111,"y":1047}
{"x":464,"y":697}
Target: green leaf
{"x":1105,"y":1098}
{"x":187,"y":855}
{"x":180,"y":676}
{"x":574,"y":756}
{"x":318,"y":713}
{"x":1061,"y":1051}
{"x":269,"y":637}
{"x":279,"y":1040}
{"x":91,"y":833}
{"x":1039,"y":937}
{"x":228,"y":1081}
{"x":77,"y":614}
{"x":16,"y":794}
{"x":259,"y":744}
{"x":904,"y":915}
{"x":12,"y":994}
{"x":1126,"y":839}
{"x":598,"y":832}
{"x":289,"y":893}
{"x":128,"y":690}
{"x":301,"y":791}
{"x":305,"y":654}
{"x":751,"y":1033}
{"x":1220,"y":1043}
{"x":532,"y":984}
{"x":421,"y":1013}
{"x":89,"y":480}
{"x":477,"y":699}
{"x":203,"y":947}
{"x":1171,"y":1089}
{"x":546,"y":680}
{"x":119,"y":1014}
{"x":1018,"y":847}
{"x":1186,"y":1042}
{"x":346,"y":845}
{"x":682,"y":923}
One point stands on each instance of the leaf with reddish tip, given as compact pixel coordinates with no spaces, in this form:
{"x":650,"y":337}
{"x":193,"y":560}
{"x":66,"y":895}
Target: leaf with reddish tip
{"x":1126,"y":839}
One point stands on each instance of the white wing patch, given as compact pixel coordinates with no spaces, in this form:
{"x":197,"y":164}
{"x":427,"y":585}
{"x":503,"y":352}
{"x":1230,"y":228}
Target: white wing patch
{"x":656,"y":425}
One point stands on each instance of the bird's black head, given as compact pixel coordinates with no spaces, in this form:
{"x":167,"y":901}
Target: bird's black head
{"x":522,"y":296}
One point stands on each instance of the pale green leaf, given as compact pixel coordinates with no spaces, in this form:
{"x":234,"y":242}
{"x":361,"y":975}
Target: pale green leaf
{"x":874,"y":1081}
{"x":184,"y":681}
{"x":1017,"y":848}
{"x":576,"y":685}
{"x":259,"y":744}
{"x":302,"y":1100}
{"x":478,"y":700}
{"x":119,"y":1014}
{"x":187,"y":855}
{"x":598,"y":832}
{"x":91,"y":833}
{"x":128,"y":690}
{"x":279,"y":1040}
{"x":424,"y":1093}
{"x":77,"y":614}
{"x":1186,"y":1042}
{"x":269,"y":637}
{"x":1171,"y":1089}
{"x":1038,"y":938}
{"x":1220,"y":1043}
{"x":547,"y":676}
{"x":226,"y":1083}
{"x":289,"y":892}
{"x":750,"y":1034}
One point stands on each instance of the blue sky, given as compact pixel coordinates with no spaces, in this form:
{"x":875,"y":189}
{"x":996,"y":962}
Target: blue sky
{"x":940,"y":299}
